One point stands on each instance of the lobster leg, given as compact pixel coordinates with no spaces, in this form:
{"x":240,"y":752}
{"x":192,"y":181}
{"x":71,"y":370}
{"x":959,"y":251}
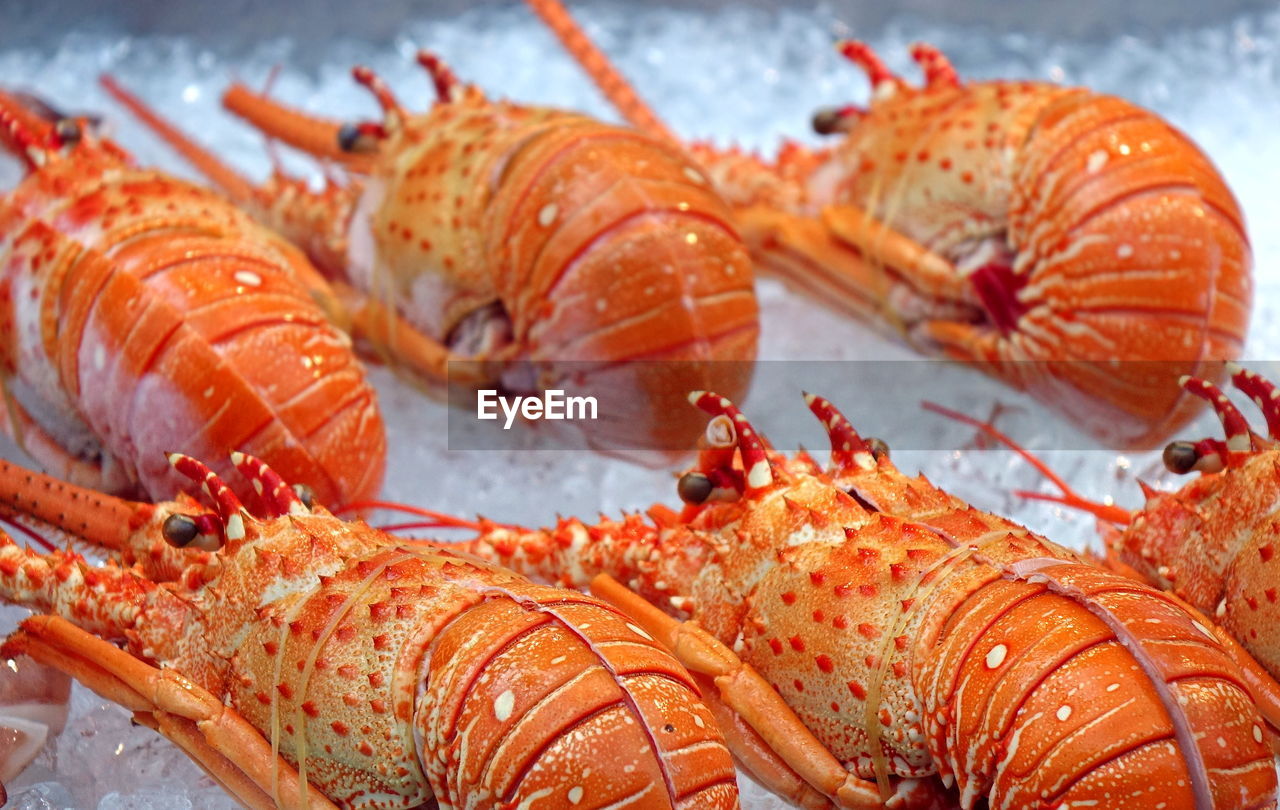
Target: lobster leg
{"x":183,"y":733}
{"x":804,"y":252}
{"x":755,"y":755}
{"x":394,"y":337}
{"x":927,"y":270}
{"x":119,"y":676}
{"x":747,"y":694}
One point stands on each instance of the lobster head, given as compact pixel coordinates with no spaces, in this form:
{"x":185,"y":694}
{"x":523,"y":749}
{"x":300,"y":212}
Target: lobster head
{"x":39,"y":133}
{"x":737,"y":472}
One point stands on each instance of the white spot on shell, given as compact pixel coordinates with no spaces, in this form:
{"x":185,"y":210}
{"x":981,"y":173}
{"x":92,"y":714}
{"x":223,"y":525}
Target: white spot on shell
{"x":639,"y":632}
{"x":235,"y":527}
{"x":694,"y":175}
{"x":996,"y":656}
{"x":248,"y":278}
{"x":759,"y":476}
{"x":1096,"y":160}
{"x":504,"y":704}
{"x":1257,"y":733}
{"x":548,"y":214}
{"x":1064,"y":711}
{"x":1124,"y":251}
{"x":575,"y":794}
{"x":1113,"y":687}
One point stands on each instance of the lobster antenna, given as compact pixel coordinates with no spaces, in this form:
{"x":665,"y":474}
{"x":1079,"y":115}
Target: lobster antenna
{"x":1263,"y":393}
{"x":755,"y":458}
{"x":393,"y":113}
{"x":276,"y":493}
{"x":861,"y":54}
{"x":602,"y":71}
{"x":1069,"y":497}
{"x":230,"y":181}
{"x":438,"y":519}
{"x":445,"y":80}
{"x":938,"y":70}
{"x":26,"y":133}
{"x":230,"y":510}
{"x":848,"y":448}
{"x":1212,"y":455}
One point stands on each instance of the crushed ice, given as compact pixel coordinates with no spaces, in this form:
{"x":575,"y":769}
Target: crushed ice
{"x":739,"y":75}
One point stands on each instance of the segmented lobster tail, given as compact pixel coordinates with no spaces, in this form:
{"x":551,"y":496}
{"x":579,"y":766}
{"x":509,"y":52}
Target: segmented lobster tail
{"x":139,"y":288}
{"x":1116,"y":215}
{"x":1072,"y":687}
{"x":639,"y":220}
{"x":548,"y":694}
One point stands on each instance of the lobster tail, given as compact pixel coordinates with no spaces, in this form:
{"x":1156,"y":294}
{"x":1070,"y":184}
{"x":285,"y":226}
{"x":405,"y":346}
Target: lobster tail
{"x":543,"y":693}
{"x":1116,"y":215}
{"x":1072,"y":686}
{"x":146,"y":289}
{"x":635,"y":260}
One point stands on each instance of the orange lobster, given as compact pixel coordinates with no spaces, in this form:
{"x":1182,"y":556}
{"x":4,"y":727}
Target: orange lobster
{"x":540,"y":246}
{"x":140,"y":313}
{"x":1211,"y":542}
{"x":866,"y":631}
{"x":315,"y":662}
{"x":1072,"y":244}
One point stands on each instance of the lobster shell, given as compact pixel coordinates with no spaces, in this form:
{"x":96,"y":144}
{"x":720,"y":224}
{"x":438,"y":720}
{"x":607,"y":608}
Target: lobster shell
{"x":313,"y":655}
{"x":143,"y":314}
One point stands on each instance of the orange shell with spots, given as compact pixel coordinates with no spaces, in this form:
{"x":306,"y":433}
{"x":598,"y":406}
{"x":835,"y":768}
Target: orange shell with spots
{"x":140,"y":314}
{"x":386,"y":674}
{"x":1123,"y":241}
{"x":517,"y":246}
{"x":1069,"y":243}
{"x":915,"y":636}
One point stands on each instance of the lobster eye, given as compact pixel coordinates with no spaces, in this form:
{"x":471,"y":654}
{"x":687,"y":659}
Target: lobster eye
{"x":357,"y":138}
{"x":1180,"y":457}
{"x":694,"y":488}
{"x":879,"y":449}
{"x":833,"y":120}
{"x":68,"y":131}
{"x":179,"y":530}
{"x":305,"y":494}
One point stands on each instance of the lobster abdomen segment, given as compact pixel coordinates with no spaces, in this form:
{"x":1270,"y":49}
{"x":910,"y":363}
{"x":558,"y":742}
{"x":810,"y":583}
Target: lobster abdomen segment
{"x":1065,"y":686}
{"x":545,"y":694}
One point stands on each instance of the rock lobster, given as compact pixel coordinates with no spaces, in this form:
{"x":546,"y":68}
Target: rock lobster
{"x":141,"y":313}
{"x":309,"y":661}
{"x":1069,"y":243}
{"x":1213,"y":541}
{"x":541,"y":247}
{"x":866,"y":631}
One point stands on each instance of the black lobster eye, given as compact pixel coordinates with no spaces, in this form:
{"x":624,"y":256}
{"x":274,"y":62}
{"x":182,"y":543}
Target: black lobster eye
{"x":826,"y":121}
{"x":348,"y":136}
{"x":694,"y":488}
{"x":1180,"y":457}
{"x":305,"y":494}
{"x":179,"y":530}
{"x":68,"y":131}
{"x":879,"y":448}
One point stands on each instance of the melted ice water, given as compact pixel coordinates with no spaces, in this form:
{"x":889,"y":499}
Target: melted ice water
{"x":739,"y":75}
